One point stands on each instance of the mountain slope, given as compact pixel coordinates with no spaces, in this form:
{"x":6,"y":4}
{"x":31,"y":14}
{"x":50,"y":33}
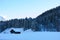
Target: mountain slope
{"x":50,"y":19}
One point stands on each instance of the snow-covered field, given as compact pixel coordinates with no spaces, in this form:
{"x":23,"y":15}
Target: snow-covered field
{"x":31,"y":36}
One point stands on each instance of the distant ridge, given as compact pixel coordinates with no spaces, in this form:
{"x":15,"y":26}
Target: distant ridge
{"x":2,"y":19}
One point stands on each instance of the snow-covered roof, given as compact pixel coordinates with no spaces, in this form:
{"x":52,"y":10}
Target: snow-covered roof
{"x":15,"y":29}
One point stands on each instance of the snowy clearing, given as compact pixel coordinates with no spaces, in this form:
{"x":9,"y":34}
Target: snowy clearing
{"x":31,"y":36}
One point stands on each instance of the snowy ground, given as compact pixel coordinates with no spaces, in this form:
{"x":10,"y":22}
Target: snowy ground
{"x":31,"y":36}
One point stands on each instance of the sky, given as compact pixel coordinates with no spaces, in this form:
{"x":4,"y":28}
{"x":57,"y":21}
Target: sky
{"x":11,"y":9}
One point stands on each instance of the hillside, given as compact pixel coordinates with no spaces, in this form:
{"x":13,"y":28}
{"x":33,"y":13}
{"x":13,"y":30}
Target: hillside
{"x":50,"y":19}
{"x":47,"y":21}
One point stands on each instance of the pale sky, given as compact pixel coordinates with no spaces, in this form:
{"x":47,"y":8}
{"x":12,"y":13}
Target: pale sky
{"x":11,"y":9}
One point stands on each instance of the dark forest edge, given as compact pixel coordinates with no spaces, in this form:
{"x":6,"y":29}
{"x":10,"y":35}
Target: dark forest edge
{"x":47,"y":21}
